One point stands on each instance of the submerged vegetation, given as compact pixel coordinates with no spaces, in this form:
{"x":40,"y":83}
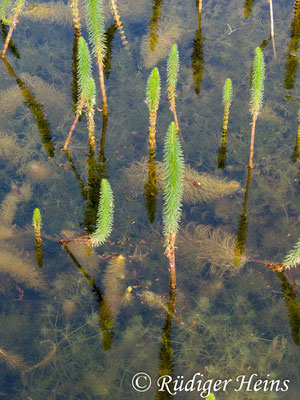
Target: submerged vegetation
{"x":100,"y":310}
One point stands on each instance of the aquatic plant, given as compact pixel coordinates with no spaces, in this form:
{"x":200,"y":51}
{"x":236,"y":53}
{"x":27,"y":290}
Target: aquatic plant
{"x":37,"y":223}
{"x":104,"y":216}
{"x":114,"y":8}
{"x":197,"y":186}
{"x":208,"y":245}
{"x":257,"y":92}
{"x":173,"y":167}
{"x":13,"y":361}
{"x":17,"y":11}
{"x":271,"y":17}
{"x":172,"y":76}
{"x":12,"y":47}
{"x":199,"y":6}
{"x":292,"y":259}
{"x":75,"y":14}
{"x":96,"y":30}
{"x":227,"y":99}
{"x":87,"y":92}
{"x":152,"y":100}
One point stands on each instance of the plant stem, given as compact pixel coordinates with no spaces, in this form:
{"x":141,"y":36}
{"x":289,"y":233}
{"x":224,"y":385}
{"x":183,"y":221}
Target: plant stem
{"x":12,"y":27}
{"x":170,"y":253}
{"x":254,"y":119}
{"x":102,"y":85}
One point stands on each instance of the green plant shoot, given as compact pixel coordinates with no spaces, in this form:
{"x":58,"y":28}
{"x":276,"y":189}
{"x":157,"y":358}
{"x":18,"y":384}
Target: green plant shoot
{"x":105,"y":215}
{"x":152,"y":100}
{"x":292,"y":259}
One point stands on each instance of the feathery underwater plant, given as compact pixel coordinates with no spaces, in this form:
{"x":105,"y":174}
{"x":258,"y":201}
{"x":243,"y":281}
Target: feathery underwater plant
{"x":292,"y":259}
{"x":257,"y":92}
{"x":172,"y":76}
{"x":152,"y":100}
{"x":173,"y":166}
{"x":17,"y":11}
{"x":87,"y":91}
{"x":37,"y":223}
{"x":104,"y":216}
{"x":118,"y":21}
{"x":96,"y":30}
{"x":227,"y":99}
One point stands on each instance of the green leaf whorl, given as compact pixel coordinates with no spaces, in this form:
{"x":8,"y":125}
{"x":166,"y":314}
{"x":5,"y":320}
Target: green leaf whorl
{"x":293,"y":256}
{"x":105,"y":214}
{"x":84,"y":70}
{"x":227,"y":92}
{"x":173,"y":166}
{"x":172,"y":70}
{"x":257,"y":81}
{"x":96,"y":27}
{"x":36,"y":219}
{"x":153,"y":90}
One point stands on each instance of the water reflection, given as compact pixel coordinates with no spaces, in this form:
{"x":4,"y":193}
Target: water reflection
{"x":166,"y":357}
{"x":292,"y":59}
{"x":36,"y":110}
{"x":243,"y":224}
{"x":157,"y":7}
{"x":106,"y":321}
{"x":198,"y":55}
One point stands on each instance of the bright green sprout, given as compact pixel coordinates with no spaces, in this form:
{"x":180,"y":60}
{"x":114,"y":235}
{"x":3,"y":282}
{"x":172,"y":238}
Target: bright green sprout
{"x":211,"y":397}
{"x":153,"y":91}
{"x":257,"y":81}
{"x":227,"y":93}
{"x":85,"y":84}
{"x":96,"y":28}
{"x":37,"y":220}
{"x":172,"y":71}
{"x":105,"y":215}
{"x":292,"y":259}
{"x":173,"y":181}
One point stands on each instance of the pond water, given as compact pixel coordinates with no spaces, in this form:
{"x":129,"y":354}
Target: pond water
{"x":78,"y":322}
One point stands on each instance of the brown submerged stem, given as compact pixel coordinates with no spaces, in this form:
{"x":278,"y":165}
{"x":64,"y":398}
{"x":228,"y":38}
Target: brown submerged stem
{"x":102,"y":86}
{"x":170,"y":253}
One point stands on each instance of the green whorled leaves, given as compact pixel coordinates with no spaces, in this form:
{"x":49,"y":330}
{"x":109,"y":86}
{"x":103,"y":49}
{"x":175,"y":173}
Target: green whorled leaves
{"x":257,"y":81}
{"x":293,"y":256}
{"x":173,"y":166}
{"x":172,"y":71}
{"x":5,"y":8}
{"x":105,"y":215}
{"x":96,"y":28}
{"x":86,"y":83}
{"x":153,"y":91}
{"x":227,"y":93}
{"x":36,"y":219}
